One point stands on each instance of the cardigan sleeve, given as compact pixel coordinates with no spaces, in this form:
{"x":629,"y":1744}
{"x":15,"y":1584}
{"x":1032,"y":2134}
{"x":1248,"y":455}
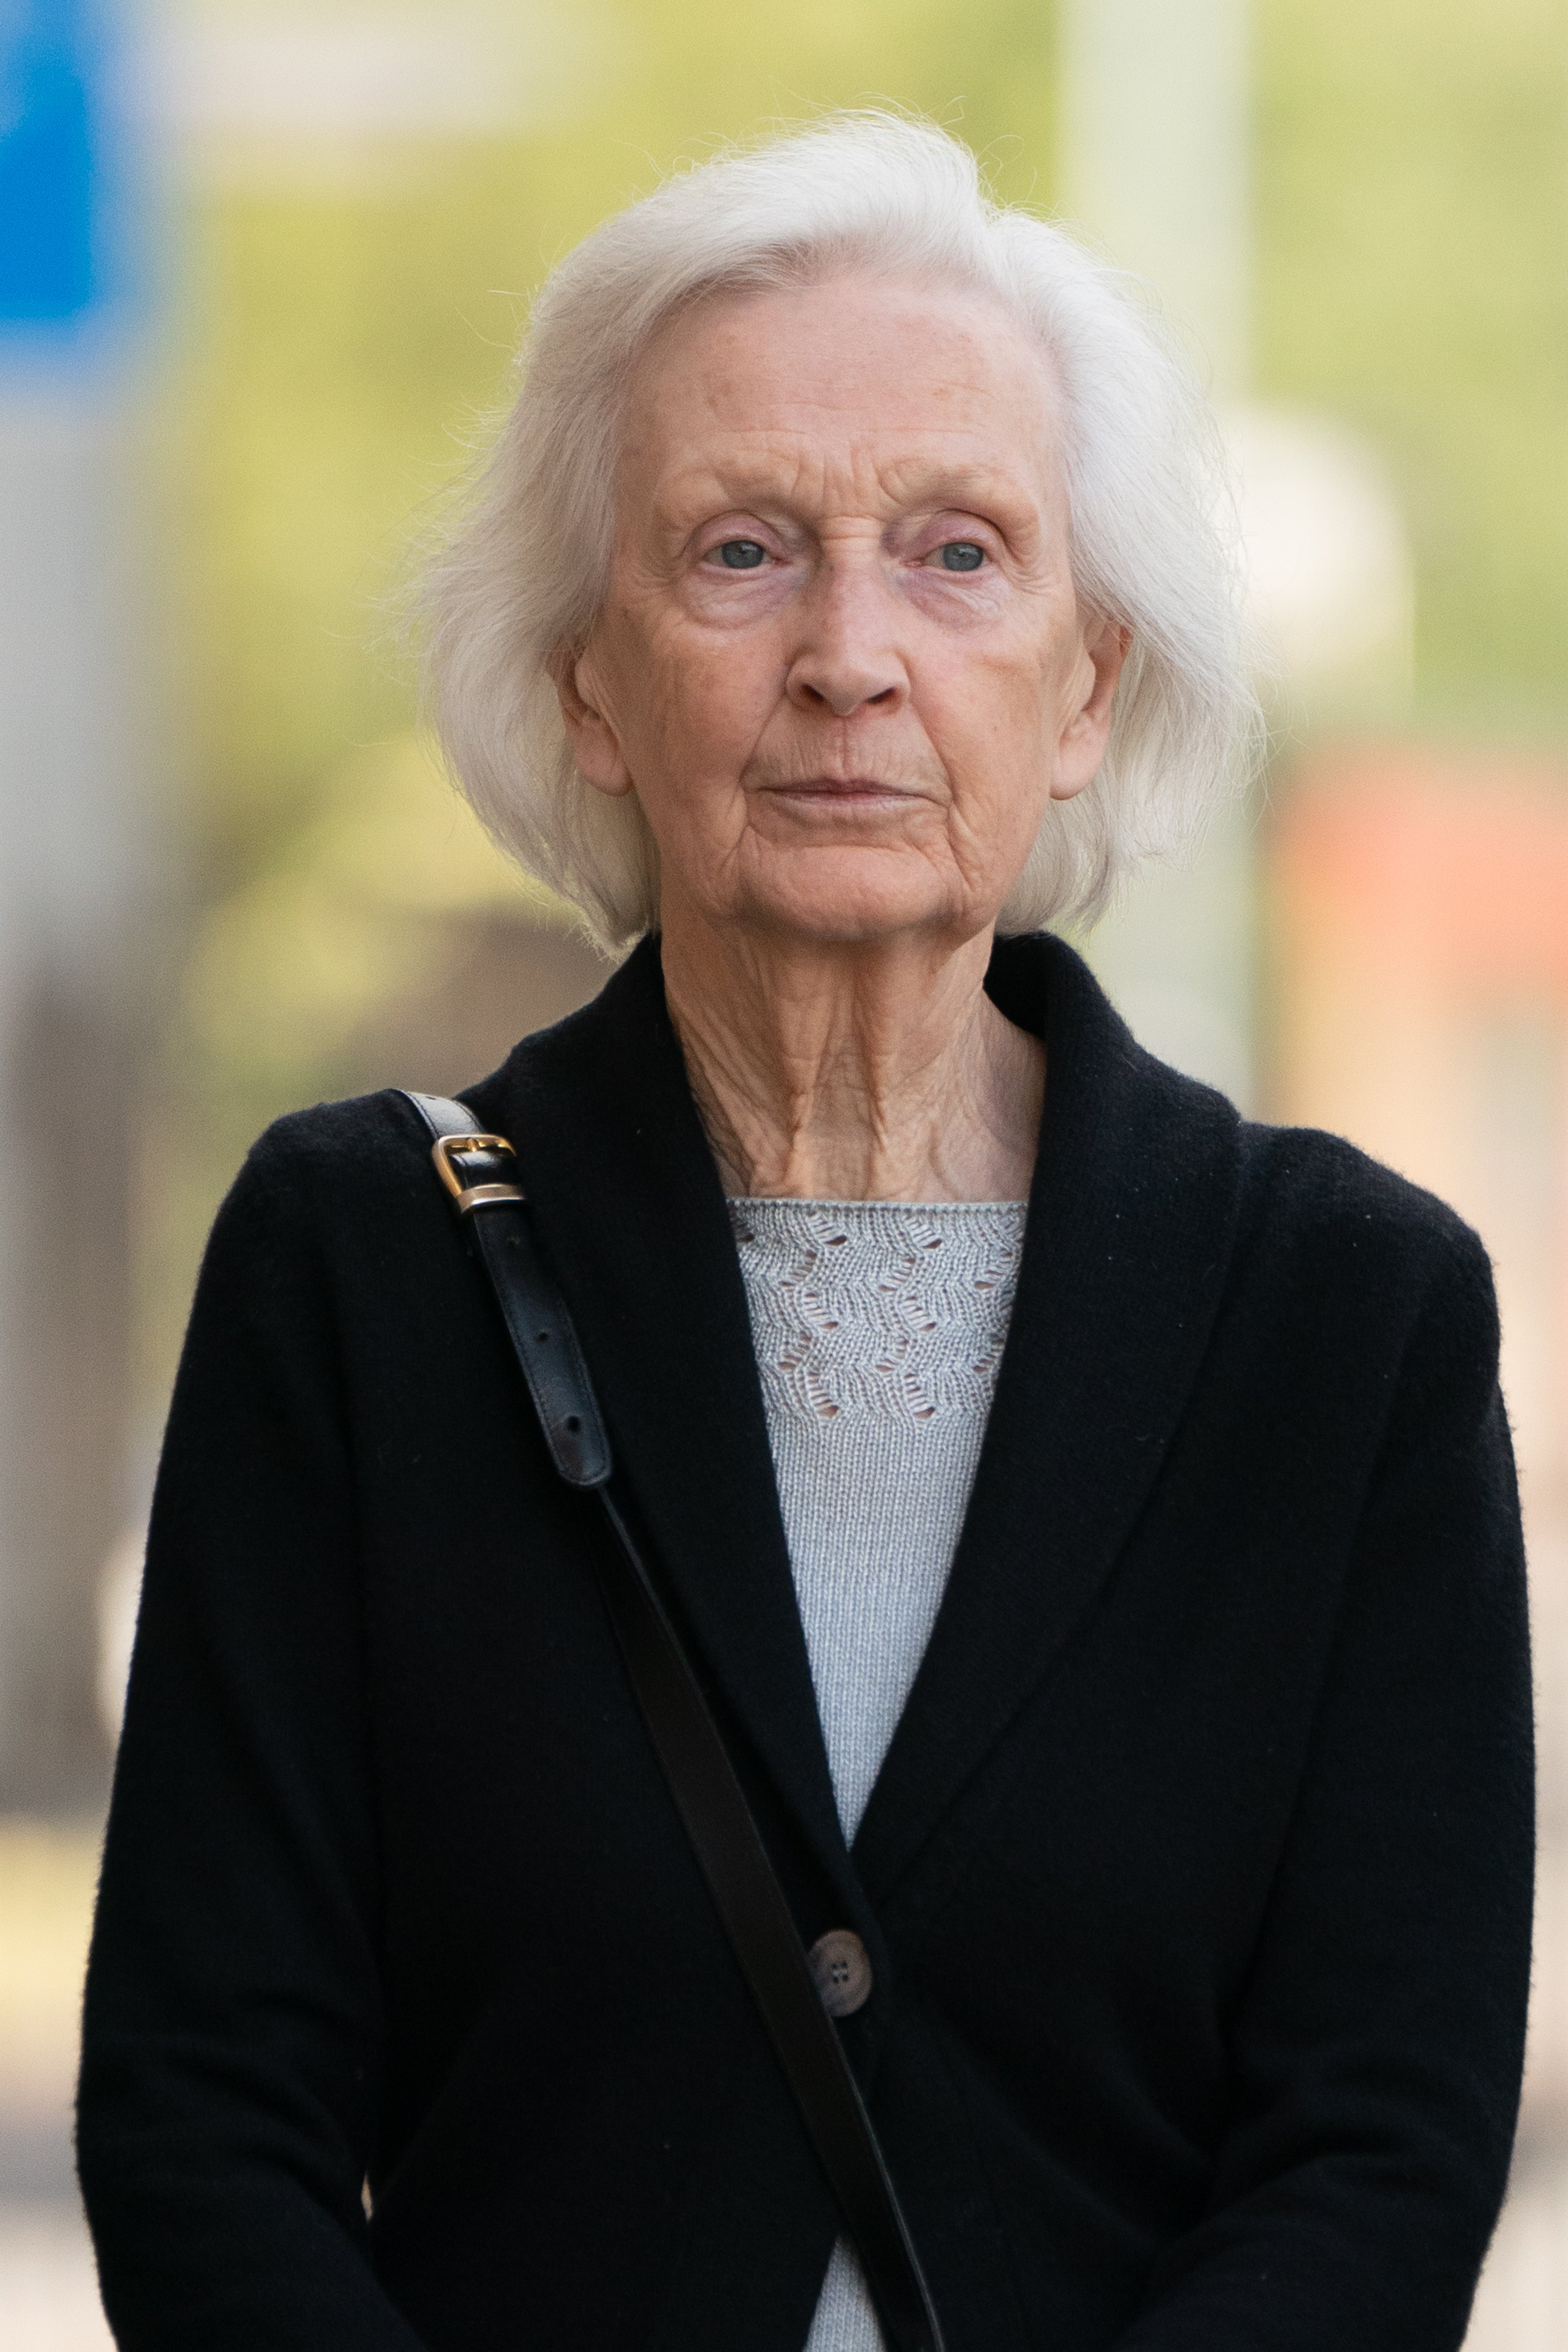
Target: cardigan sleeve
{"x":1377,"y":2048}
{"x":232,"y":2036}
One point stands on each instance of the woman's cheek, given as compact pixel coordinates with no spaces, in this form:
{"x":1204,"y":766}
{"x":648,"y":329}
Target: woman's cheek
{"x":723,"y":701}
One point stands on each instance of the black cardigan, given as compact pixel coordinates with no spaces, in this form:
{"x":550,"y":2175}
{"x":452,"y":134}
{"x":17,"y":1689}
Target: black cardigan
{"x":1196,"y":1882}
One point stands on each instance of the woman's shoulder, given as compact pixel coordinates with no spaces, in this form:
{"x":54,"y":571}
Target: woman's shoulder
{"x":356,"y":1167}
{"x":309,"y":1154}
{"x":1342,"y":1216}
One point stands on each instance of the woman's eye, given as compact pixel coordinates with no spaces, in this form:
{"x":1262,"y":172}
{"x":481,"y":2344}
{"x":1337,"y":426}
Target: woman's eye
{"x":963,"y":555}
{"x":743,"y":555}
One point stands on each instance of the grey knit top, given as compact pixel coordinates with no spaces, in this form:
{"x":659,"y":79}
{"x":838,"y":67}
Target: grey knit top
{"x":878,"y":1326}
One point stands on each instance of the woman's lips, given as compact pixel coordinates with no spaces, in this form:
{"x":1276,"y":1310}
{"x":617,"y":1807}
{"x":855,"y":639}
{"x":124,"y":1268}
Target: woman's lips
{"x":842,"y":787}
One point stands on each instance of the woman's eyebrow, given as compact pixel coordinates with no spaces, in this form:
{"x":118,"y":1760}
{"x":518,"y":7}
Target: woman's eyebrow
{"x":972,"y":488}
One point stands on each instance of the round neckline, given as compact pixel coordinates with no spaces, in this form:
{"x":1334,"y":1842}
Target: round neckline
{"x":848,"y":1208}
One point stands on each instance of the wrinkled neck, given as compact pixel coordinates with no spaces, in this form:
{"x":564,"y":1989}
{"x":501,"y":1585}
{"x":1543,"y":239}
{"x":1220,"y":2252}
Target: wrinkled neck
{"x":854,"y":1071}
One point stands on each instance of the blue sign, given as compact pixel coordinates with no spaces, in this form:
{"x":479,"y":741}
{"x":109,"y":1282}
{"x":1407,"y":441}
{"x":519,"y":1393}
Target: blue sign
{"x":62,"y":181}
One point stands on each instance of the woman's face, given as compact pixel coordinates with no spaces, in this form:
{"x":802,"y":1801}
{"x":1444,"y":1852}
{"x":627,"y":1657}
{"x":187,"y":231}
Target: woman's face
{"x":841,"y":662}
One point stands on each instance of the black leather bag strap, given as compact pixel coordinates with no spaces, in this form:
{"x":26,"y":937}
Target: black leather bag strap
{"x":479,"y":1172}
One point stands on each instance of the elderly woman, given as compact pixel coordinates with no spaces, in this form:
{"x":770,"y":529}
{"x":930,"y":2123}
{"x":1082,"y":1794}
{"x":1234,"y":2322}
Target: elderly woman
{"x":1087,"y":1518}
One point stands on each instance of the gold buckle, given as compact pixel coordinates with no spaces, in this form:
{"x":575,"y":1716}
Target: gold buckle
{"x":449,"y":1150}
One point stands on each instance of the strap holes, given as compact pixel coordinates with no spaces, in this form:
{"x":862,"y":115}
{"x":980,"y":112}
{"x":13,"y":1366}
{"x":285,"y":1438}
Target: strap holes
{"x":573,"y":1423}
{"x":542,"y":1337}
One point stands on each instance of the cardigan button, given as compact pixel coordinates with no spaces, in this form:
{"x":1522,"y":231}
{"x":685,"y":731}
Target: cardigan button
{"x":842,"y":1968}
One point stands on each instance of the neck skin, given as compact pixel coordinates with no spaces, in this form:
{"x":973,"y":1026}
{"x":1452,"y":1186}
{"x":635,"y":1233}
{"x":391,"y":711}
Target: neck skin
{"x":879,"y":1071}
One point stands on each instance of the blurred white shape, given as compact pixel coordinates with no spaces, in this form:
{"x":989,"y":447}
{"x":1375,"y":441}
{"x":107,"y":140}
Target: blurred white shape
{"x":1329,"y":568}
{"x":1156,"y":146}
{"x":247,"y":91}
{"x":1156,"y":134}
{"x":1332,"y":596}
{"x":1523,"y":2299}
{"x":48,"y":2285}
{"x":377,"y":72}
{"x":119,"y":1598}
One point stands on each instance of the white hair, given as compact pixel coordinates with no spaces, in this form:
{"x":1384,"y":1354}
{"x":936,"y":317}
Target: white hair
{"x":519,"y":583}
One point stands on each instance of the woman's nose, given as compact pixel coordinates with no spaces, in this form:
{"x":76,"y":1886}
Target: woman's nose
{"x":847,"y":658}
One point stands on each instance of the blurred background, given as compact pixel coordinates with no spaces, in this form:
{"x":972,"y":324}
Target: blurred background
{"x":262,"y":267}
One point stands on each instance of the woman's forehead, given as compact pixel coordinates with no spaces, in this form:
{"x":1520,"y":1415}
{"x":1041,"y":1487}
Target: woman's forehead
{"x":857,"y":373}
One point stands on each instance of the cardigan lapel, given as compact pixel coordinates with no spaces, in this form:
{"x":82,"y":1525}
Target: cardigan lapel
{"x":1125,"y":1254}
{"x":629,"y":1204}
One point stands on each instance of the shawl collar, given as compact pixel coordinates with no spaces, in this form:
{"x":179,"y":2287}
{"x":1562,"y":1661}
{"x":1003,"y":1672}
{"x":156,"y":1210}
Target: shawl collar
{"x":1126,"y":1247}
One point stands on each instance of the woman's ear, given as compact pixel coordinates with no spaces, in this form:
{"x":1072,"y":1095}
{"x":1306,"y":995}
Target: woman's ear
{"x":1095,"y":676}
{"x":595,"y":745}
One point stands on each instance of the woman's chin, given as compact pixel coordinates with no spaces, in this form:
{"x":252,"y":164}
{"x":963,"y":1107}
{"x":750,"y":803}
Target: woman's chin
{"x":849,"y":897}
